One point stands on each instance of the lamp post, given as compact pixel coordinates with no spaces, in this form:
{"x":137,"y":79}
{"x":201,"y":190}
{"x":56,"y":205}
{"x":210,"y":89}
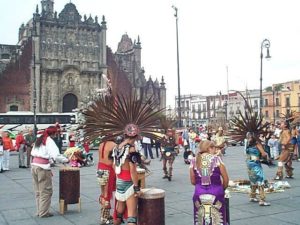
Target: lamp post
{"x":265,"y":44}
{"x":34,"y":78}
{"x":273,"y":92}
{"x":178,"y":71}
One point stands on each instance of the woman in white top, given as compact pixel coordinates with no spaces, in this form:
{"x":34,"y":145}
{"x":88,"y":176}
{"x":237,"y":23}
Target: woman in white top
{"x":43,"y":151}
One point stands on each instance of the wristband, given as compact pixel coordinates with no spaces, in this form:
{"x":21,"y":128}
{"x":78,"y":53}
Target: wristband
{"x":136,"y":188}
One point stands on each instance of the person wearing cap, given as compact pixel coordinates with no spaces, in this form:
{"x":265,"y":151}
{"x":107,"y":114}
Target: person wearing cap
{"x":254,"y":151}
{"x":43,"y":151}
{"x":209,"y":176}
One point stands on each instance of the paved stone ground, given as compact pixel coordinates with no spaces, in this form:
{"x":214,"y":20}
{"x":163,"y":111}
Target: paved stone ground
{"x":17,"y":205}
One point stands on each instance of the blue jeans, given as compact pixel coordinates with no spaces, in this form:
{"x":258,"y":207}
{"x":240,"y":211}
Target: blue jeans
{"x":147,"y":148}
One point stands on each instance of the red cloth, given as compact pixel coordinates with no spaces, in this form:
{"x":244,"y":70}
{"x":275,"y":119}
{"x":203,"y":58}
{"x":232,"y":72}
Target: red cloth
{"x":86,"y":146}
{"x":111,"y":180}
{"x":72,"y":144}
{"x":180,"y":140}
{"x":40,"y":160}
{"x":125,"y":175}
{"x":7,"y":144}
{"x":20,"y":140}
{"x":48,"y":132}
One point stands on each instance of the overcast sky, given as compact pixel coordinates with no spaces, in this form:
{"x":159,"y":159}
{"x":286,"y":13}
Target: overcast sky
{"x":213,"y":34}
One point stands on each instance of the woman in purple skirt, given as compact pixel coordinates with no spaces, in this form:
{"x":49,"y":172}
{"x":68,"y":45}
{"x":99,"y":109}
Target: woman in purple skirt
{"x":208,"y":174}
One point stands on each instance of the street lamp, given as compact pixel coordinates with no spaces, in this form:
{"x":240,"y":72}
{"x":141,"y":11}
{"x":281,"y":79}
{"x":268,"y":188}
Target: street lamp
{"x":178,"y":73}
{"x":34,"y":77}
{"x":265,"y":44}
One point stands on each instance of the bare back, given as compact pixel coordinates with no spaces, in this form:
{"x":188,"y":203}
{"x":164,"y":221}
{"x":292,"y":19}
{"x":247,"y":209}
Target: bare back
{"x":105,"y":150}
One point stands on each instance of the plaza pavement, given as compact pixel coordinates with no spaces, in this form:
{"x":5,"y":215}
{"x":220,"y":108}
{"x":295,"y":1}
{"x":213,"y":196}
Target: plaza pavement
{"x":17,"y":204}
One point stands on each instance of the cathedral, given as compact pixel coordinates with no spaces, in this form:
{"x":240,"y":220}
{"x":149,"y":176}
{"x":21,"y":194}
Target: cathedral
{"x":60,"y":60}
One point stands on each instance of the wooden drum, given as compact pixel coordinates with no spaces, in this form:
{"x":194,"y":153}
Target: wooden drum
{"x":69,"y":188}
{"x":151,"y":207}
{"x":141,"y":177}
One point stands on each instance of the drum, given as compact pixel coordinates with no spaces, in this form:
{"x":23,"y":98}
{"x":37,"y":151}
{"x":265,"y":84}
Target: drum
{"x":151,"y":207}
{"x":141,"y":177}
{"x":69,"y":187}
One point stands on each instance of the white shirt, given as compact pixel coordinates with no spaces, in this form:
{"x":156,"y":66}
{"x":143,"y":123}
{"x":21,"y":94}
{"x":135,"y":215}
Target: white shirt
{"x":48,"y":151}
{"x":146,"y":140}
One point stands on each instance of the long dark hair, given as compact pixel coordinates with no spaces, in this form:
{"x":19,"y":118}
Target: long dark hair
{"x":251,"y":139}
{"x":42,"y":139}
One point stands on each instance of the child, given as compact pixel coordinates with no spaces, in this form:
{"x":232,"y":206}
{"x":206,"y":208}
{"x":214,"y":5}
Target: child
{"x":273,"y":143}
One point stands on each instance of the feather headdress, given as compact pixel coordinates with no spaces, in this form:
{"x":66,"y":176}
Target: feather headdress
{"x":241,"y":124}
{"x":111,"y":116}
{"x":292,"y":118}
{"x":167,"y":123}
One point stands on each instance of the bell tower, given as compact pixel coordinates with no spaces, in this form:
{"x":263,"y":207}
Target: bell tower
{"x":47,"y":8}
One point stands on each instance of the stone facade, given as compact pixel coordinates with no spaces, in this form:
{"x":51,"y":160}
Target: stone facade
{"x":128,"y":59}
{"x":68,"y":57}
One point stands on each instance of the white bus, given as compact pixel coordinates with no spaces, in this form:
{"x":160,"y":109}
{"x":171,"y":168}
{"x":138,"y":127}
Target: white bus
{"x":18,"y":120}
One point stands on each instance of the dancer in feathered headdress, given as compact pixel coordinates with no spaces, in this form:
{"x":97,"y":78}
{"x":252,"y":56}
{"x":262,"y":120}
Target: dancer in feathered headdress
{"x":251,"y":126}
{"x":168,"y":144}
{"x":287,"y":146}
{"x":128,"y":116}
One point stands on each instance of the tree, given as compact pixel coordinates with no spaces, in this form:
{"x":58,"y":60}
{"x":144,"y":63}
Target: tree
{"x":268,"y":89}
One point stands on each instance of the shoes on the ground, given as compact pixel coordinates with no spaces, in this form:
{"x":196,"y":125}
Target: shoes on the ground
{"x":263,"y":203}
{"x":253,"y":200}
{"x":169,"y":178}
{"x":46,"y":215}
{"x":165,"y":177}
{"x":23,"y":167}
{"x":278,"y":178}
{"x":289,"y":177}
{"x":5,"y":170}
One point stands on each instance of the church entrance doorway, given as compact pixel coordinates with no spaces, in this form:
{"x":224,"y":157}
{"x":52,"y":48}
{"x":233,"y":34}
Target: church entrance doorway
{"x":70,"y":102}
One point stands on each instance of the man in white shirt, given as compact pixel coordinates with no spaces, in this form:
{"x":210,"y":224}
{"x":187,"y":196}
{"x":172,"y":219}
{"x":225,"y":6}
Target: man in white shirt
{"x":146,"y":143}
{"x":43,"y":151}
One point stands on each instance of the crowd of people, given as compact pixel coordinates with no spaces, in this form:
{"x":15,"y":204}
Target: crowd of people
{"x":120,"y":156}
{"x":23,"y":146}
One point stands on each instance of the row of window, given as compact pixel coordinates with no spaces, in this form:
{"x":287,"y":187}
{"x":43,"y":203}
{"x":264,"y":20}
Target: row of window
{"x":277,"y":102}
{"x":277,"y":113}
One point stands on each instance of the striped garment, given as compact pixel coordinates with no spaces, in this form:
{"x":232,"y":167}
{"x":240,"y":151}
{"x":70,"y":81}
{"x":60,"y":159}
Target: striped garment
{"x":124,"y":189}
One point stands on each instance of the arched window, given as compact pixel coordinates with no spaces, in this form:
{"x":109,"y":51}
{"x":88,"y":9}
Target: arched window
{"x":70,"y":102}
{"x":13,"y":108}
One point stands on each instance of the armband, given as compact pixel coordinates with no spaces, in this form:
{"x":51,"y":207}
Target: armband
{"x":136,"y":188}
